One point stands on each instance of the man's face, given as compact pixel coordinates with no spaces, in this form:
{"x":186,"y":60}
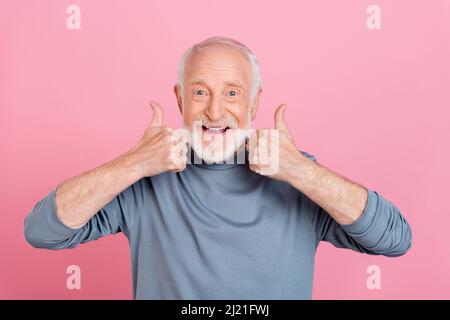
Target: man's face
{"x":215,"y":101}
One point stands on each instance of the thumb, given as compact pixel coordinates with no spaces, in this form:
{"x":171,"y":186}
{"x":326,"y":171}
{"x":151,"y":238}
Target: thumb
{"x":158,"y":114}
{"x":280,"y":121}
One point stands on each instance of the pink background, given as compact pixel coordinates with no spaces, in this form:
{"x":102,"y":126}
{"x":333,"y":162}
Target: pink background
{"x":371,"y":105}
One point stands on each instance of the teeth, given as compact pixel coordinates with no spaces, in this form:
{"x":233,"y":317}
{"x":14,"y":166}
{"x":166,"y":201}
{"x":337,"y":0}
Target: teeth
{"x":215,"y":128}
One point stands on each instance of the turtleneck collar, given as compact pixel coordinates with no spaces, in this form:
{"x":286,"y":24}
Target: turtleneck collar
{"x":240,"y":158}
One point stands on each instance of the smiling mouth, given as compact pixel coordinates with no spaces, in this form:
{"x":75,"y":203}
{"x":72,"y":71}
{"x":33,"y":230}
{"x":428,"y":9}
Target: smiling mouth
{"x":214,"y":129}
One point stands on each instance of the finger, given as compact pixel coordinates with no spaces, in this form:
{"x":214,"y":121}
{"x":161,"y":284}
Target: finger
{"x":179,"y":150}
{"x":180,"y":164}
{"x":280,"y":121}
{"x":253,"y":155}
{"x":181,"y":138}
{"x":251,"y":142}
{"x":158,"y":114}
{"x":183,"y":149}
{"x":254,"y":168}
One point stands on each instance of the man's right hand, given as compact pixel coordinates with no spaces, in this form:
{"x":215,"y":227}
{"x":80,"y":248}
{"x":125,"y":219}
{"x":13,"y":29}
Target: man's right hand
{"x":160,"y":149}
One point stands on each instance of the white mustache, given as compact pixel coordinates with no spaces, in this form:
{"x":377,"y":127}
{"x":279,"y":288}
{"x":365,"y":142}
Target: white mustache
{"x":228,"y":121}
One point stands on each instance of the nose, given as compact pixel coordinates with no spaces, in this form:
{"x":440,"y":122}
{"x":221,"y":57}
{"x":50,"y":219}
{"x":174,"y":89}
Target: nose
{"x":215,"y":110}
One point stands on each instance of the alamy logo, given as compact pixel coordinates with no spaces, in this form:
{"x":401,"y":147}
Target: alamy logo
{"x":73,"y":21}
{"x":74,"y":280}
{"x":374,"y":280}
{"x":374,"y":19}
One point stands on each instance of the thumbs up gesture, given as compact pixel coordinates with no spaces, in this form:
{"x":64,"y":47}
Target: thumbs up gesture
{"x":272,"y":152}
{"x":161,"y":148}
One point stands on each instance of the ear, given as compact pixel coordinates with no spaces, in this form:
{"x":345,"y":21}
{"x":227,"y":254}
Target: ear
{"x":178,"y":94}
{"x":255,"y":105}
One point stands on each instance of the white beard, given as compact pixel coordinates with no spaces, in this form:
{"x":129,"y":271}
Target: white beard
{"x":218,"y":148}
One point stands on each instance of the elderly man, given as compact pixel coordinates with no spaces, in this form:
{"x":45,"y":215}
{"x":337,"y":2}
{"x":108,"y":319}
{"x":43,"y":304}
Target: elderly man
{"x":214,"y":229}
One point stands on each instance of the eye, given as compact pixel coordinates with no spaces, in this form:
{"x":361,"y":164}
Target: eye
{"x":232,"y":93}
{"x":200,"y":92}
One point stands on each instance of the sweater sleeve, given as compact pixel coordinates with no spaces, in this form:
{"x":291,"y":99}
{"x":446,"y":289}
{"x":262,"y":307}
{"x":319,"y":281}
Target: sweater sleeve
{"x":43,"y":229}
{"x":380,"y":230}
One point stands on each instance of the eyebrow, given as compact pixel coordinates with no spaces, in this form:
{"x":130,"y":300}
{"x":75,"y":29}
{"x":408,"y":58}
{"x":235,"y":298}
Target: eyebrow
{"x":235,"y":82}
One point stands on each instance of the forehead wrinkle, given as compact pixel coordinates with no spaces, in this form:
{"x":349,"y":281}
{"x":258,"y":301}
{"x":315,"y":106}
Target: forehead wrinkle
{"x":227,"y":67}
{"x":230,"y":67}
{"x":228,"y":76}
{"x":233,"y":82}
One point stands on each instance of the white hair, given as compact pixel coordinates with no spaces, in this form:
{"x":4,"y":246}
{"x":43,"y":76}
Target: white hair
{"x":254,"y":65}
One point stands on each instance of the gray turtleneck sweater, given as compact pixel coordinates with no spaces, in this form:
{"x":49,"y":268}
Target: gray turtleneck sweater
{"x":222,"y":232}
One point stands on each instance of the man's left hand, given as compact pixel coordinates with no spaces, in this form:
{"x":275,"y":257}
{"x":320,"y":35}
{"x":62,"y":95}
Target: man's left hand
{"x":272,"y":152}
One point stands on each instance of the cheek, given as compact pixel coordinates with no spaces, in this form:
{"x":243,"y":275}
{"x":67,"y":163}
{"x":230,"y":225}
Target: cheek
{"x":191,"y":110}
{"x":241,"y":114}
